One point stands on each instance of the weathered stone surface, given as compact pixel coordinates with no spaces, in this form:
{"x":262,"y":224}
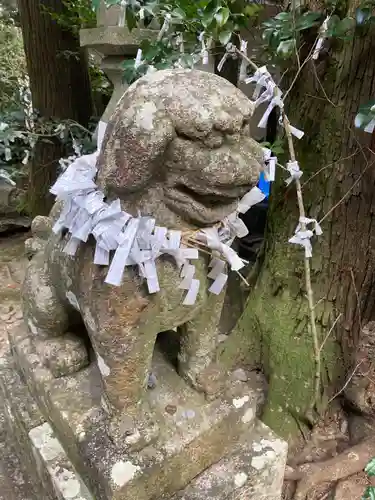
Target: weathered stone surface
{"x":254,"y":470}
{"x":189,"y":156}
{"x":45,"y":461}
{"x":177,"y":148}
{"x":114,"y":40}
{"x":10,"y":217}
{"x":192,"y":437}
{"x":41,"y":228}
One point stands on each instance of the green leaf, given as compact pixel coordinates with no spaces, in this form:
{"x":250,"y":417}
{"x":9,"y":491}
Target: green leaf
{"x":345,"y":28}
{"x":370,"y":467}
{"x":179,"y":13}
{"x":283,"y":16}
{"x":331,"y":25}
{"x":267,"y":34}
{"x":207,"y":19}
{"x":286,"y":48}
{"x":308,"y":20}
{"x":224,"y":37}
{"x":95,"y":5}
{"x":131,"y":20}
{"x":369,"y":494}
{"x":252,"y":10}
{"x":222,"y":16}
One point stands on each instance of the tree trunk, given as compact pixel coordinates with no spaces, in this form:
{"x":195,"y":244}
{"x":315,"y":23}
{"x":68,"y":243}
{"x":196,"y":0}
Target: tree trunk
{"x":338,"y":181}
{"x":60,"y":88}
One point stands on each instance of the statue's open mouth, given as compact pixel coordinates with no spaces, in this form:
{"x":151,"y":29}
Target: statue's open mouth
{"x":203,"y":208}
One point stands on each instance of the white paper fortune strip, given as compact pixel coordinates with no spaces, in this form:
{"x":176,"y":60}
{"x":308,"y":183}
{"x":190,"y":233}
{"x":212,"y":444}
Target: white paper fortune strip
{"x":138,"y":241}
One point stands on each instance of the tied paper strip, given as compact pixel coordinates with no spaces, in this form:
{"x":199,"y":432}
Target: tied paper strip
{"x":306,"y":221}
{"x":213,"y":241}
{"x":219,"y":276}
{"x":229,"y":52}
{"x":138,"y":59}
{"x":275,"y":101}
{"x":303,"y":236}
{"x":272,"y":94}
{"x":204,"y":51}
{"x":261,"y":77}
{"x":4,"y":175}
{"x":250,"y":199}
{"x":370,"y":127}
{"x":165,"y":27}
{"x":236,"y":227}
{"x":137,"y":241}
{"x":270,"y":161}
{"x":244,"y":63}
{"x":320,"y":42}
{"x":294,"y":170}
{"x":122,"y":13}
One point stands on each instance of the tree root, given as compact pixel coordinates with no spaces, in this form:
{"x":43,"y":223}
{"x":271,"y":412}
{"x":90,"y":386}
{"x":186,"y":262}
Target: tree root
{"x":351,"y":461}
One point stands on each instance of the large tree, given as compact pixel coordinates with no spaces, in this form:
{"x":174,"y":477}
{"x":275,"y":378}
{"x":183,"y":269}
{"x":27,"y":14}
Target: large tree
{"x":338,"y":187}
{"x":59,"y":83}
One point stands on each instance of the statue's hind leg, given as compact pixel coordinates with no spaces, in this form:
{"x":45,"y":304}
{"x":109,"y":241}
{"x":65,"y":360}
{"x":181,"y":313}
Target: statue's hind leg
{"x":198,"y":346}
{"x":48,"y":320}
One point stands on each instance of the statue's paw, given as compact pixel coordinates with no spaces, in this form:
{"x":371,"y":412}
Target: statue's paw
{"x":210,"y":380}
{"x":134,"y":433}
{"x":63,"y":355}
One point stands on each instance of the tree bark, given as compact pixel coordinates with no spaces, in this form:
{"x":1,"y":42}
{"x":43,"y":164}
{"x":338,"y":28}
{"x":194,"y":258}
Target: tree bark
{"x":338,"y":180}
{"x":60,"y":88}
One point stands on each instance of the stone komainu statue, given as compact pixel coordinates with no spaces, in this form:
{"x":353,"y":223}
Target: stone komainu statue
{"x":178,"y":148}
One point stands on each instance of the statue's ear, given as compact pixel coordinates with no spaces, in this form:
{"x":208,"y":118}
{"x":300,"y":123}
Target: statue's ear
{"x":133,"y":147}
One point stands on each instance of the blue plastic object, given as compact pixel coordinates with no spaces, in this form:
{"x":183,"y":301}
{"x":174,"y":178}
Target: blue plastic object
{"x":264,"y":185}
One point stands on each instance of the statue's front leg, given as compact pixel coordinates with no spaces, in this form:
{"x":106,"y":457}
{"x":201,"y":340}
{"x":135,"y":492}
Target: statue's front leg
{"x":124,"y":346}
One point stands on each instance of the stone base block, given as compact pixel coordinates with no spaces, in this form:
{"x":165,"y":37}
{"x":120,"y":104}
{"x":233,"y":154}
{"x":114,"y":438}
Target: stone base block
{"x":44,"y":462}
{"x":194,"y":433}
{"x":254,"y":470}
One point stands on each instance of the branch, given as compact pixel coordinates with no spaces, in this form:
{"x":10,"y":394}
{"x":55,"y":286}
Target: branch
{"x":309,"y":290}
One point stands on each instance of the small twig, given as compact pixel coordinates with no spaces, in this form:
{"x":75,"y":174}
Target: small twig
{"x":243,"y":279}
{"x":330,"y":165}
{"x":347,"y":193}
{"x":329,"y":333}
{"x":346,"y":383}
{"x":319,"y":301}
{"x":300,"y":69}
{"x":322,"y":88}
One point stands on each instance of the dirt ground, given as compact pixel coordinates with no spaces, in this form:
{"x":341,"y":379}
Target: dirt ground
{"x":13,"y":483}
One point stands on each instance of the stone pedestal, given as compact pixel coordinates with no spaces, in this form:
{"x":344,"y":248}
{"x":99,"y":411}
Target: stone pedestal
{"x":61,"y":432}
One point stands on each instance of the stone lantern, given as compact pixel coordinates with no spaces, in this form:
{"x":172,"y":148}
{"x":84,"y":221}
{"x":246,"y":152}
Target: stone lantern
{"x":114,"y":44}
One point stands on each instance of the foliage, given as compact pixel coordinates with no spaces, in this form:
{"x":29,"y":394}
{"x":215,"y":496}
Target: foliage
{"x":282,"y":33}
{"x":12,"y":64}
{"x":189,"y":29}
{"x":20,"y":125}
{"x":17,"y":141}
{"x":369,"y":494}
{"x":77,"y":14}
